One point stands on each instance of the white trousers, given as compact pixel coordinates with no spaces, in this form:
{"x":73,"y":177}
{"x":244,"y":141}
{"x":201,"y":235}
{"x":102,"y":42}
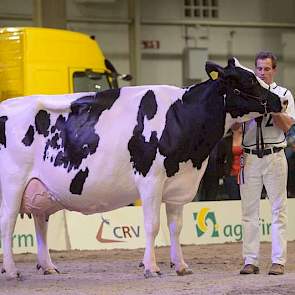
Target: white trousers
{"x":272,"y":171}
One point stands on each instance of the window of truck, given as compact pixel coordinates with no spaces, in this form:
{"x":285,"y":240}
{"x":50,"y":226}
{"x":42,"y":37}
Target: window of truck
{"x":87,"y":81}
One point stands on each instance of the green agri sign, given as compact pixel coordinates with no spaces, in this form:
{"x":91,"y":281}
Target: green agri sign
{"x":208,"y":225}
{"x":202,"y":217}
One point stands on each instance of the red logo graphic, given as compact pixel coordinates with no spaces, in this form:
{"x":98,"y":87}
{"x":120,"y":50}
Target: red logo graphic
{"x":99,"y":233}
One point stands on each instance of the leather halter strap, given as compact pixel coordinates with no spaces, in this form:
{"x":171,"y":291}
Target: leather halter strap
{"x":259,"y":135}
{"x":245,"y":95}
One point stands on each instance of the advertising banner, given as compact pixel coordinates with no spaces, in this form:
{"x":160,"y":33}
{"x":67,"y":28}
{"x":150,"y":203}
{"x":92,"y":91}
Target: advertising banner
{"x":203,"y":223}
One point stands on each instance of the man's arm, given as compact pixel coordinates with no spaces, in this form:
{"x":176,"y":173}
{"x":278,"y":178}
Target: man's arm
{"x":283,"y":121}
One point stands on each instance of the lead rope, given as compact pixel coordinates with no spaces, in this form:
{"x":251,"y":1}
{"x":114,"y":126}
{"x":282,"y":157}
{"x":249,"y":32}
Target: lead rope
{"x":259,"y":135}
{"x":241,"y":177}
{"x":259,"y":138}
{"x":259,"y":147}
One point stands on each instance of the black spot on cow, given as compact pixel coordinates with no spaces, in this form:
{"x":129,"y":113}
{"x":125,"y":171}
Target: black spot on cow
{"x":54,"y":141}
{"x":193,"y":126}
{"x":29,"y":137}
{"x":143,"y":151}
{"x":51,"y":142}
{"x":77,"y":132}
{"x":59,"y":124}
{"x":3,"y":120}
{"x":78,"y":181}
{"x":42,"y":122}
{"x":60,"y":160}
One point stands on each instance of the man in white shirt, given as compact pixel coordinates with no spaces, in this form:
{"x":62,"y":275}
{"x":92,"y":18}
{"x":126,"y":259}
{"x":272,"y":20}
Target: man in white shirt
{"x":264,"y":163}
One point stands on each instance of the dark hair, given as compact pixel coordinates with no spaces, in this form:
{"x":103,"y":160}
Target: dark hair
{"x":264,"y":55}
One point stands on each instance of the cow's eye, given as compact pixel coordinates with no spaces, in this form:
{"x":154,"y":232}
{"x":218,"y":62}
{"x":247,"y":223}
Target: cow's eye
{"x":252,"y":81}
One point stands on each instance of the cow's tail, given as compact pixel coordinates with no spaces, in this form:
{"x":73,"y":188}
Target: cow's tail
{"x":55,"y":106}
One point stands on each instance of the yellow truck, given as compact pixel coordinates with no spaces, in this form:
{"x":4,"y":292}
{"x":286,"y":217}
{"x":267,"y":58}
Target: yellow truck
{"x":50,"y":61}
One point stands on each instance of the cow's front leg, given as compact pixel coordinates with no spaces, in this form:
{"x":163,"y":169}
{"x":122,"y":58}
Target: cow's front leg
{"x":174,"y":220}
{"x":151,"y":196}
{"x":44,"y":259}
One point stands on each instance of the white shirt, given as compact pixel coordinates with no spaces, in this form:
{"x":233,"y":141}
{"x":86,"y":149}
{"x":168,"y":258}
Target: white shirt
{"x":272,"y":135}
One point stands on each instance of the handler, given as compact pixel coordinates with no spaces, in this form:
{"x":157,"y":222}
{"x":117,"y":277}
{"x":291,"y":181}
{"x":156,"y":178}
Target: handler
{"x":264,"y":163}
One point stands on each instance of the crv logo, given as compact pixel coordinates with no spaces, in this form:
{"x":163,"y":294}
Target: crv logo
{"x":120,"y":232}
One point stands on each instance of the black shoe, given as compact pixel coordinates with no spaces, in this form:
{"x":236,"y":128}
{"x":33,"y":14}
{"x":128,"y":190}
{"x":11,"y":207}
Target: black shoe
{"x":249,"y":269}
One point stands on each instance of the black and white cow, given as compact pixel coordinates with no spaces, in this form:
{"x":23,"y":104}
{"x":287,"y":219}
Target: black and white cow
{"x":96,"y":152}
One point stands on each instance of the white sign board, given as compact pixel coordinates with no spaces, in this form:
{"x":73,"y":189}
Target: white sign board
{"x":204,"y":223}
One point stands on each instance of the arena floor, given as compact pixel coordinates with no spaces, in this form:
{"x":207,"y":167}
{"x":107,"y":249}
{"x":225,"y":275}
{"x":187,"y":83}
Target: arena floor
{"x":216,"y":271}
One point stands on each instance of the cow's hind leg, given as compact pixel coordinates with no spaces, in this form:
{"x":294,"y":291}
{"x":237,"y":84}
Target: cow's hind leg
{"x":10,"y":205}
{"x":44,"y":259}
{"x":174,"y":220}
{"x":151,"y":196}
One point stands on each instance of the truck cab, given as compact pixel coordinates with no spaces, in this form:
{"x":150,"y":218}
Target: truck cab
{"x":50,"y":61}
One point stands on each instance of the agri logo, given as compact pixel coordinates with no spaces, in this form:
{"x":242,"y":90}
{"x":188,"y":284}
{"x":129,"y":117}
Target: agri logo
{"x":203,"y":218}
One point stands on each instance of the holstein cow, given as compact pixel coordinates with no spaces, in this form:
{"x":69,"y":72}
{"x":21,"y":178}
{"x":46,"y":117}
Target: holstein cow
{"x":96,"y":152}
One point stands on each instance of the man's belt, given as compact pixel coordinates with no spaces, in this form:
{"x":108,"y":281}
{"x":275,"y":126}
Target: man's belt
{"x":264,"y":152}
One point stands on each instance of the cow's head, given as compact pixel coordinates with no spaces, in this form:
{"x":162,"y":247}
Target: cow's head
{"x":244,"y":92}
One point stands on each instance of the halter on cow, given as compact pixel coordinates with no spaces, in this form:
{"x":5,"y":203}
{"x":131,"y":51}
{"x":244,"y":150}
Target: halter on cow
{"x":96,"y":152}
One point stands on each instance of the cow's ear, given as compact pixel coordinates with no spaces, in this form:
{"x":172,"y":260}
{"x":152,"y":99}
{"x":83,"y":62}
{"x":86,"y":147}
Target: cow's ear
{"x":214,"y":71}
{"x":231,"y":62}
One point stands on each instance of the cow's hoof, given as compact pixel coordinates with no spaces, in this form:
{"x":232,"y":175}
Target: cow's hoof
{"x":184,"y":272}
{"x":17,"y":276}
{"x":48,"y":271}
{"x":51,"y":271}
{"x":148,"y":274}
{"x":172,"y":265}
{"x":141,"y":264}
{"x":3,"y":270}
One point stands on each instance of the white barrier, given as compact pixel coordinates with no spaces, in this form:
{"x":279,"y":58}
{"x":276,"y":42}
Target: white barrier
{"x":204,"y":223}
{"x":24,"y":239}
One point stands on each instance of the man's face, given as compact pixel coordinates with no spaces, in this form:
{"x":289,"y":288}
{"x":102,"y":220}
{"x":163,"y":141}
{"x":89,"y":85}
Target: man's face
{"x":265,"y":71}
